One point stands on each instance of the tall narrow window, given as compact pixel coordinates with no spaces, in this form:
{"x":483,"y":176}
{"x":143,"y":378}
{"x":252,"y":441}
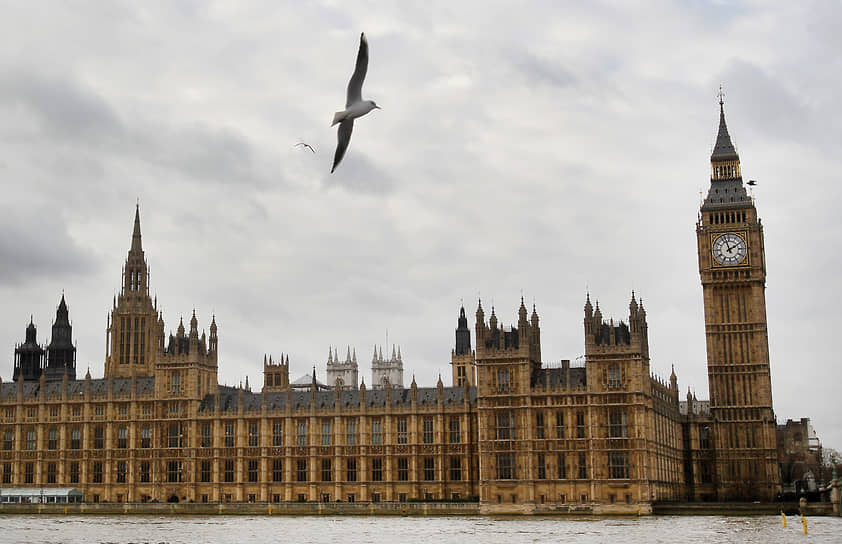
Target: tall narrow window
{"x":7,"y":473}
{"x":301,"y":432}
{"x":278,"y":434}
{"x":505,"y":466}
{"x":228,"y":470}
{"x":455,"y":431}
{"x":376,"y":432}
{"x":327,"y":472}
{"x":403,"y":469}
{"x":145,"y":471}
{"x":429,"y":469}
{"x":121,"y":472}
{"x":207,"y":438}
{"x":617,"y":427}
{"x":402,"y":431}
{"x":559,"y":424}
{"x":583,"y":467}
{"x":327,"y":434}
{"x":99,"y":437}
{"x":174,"y":435}
{"x":31,"y":440}
{"x":350,"y":470}
{"x":8,"y":440}
{"x":580,"y":425}
{"x":618,"y":465}
{"x":205,"y":472}
{"x":301,"y":470}
{"x":562,"y":467}
{"x":52,"y":473}
{"x":122,"y":438}
{"x":253,"y":468}
{"x":542,"y":467}
{"x":176,"y":382}
{"x":377,"y":469}
{"x":503,"y":381}
{"x":428,"y":430}
{"x":539,"y":425}
{"x":96,"y":472}
{"x":277,"y":470}
{"x":74,"y":472}
{"x":52,"y":439}
{"x":455,"y":468}
{"x":351,"y":432}
{"x":505,"y":425}
{"x":254,"y":435}
{"x":146,"y":436}
{"x":229,"y":435}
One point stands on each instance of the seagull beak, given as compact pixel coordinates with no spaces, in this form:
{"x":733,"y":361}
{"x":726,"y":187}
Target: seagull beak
{"x":378,"y":107}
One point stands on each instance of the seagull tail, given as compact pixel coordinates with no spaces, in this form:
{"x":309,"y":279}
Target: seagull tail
{"x":338,"y":117}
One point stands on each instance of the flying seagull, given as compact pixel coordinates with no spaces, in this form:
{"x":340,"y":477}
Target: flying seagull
{"x":752,"y":182}
{"x":308,"y":146}
{"x":355,"y":106}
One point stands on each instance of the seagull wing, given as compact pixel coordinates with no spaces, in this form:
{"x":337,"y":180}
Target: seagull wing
{"x":342,"y":139}
{"x":355,"y":86}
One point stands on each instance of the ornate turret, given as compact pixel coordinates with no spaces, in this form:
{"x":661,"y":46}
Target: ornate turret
{"x":462,"y":357}
{"x":134,"y":333}
{"x":29,"y":356}
{"x":726,"y":181}
{"x":61,"y":353}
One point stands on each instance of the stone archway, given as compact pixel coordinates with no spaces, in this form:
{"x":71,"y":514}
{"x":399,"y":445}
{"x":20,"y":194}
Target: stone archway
{"x":173,"y":498}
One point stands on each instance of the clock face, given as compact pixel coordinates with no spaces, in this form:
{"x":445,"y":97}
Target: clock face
{"x":729,"y":248}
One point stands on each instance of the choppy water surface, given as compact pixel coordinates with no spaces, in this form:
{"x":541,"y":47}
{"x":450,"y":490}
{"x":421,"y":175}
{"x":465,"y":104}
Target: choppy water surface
{"x":397,"y":530}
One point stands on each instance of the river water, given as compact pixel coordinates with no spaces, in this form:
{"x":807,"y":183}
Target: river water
{"x":399,"y":530}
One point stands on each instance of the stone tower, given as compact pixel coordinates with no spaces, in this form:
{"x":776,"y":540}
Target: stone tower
{"x":463,"y":358}
{"x":135,"y":331}
{"x":275,"y":374}
{"x":385,"y":371}
{"x":733,"y":273}
{"x":29,"y":357}
{"x":342,"y":374}
{"x":61,"y":353}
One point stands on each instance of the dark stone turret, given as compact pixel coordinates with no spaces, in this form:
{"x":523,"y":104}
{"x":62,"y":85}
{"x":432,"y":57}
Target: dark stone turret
{"x":29,"y":356}
{"x":463,"y":335}
{"x":61,"y":353}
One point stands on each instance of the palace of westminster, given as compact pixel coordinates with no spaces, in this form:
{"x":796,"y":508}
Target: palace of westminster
{"x":603,"y":435}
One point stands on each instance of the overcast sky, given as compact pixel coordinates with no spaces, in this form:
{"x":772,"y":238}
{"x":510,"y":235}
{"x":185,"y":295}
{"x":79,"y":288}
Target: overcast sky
{"x":542,"y":149}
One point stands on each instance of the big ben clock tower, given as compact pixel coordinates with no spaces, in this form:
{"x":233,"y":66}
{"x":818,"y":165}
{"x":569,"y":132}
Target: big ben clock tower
{"x":732,"y":266}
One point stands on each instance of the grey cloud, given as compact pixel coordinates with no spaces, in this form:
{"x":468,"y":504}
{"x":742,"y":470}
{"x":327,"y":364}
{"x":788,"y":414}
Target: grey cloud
{"x":34,"y":244}
{"x":80,"y":117}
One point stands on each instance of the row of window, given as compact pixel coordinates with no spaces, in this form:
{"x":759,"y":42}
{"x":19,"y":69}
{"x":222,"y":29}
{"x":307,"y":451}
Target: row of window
{"x":227,"y":470}
{"x":175,"y":435}
{"x":618,"y":466}
{"x":616,"y":427}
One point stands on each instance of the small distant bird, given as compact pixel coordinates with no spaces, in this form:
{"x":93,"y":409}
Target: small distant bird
{"x":308,"y":146}
{"x":355,"y":106}
{"x":752,"y":182}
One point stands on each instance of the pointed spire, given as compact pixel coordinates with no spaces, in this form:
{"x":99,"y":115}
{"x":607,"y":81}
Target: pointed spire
{"x":348,"y":355}
{"x":329,"y":355}
{"x":354,"y":356}
{"x":136,"y":243}
{"x":399,"y":353}
{"x":394,"y":357}
{"x":724,"y":149}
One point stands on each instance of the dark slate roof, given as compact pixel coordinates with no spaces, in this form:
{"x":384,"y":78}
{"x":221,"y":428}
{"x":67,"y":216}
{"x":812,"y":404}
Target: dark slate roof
{"x":726,"y":193}
{"x":724,"y":149}
{"x":75,"y":388}
{"x":324,"y":400}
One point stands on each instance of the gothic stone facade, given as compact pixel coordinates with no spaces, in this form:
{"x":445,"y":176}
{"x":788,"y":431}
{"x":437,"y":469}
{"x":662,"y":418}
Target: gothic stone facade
{"x":601,"y":434}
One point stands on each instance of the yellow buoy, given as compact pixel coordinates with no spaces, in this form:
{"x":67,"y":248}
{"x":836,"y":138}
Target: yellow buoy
{"x":783,"y":517}
{"x":804,"y":524}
